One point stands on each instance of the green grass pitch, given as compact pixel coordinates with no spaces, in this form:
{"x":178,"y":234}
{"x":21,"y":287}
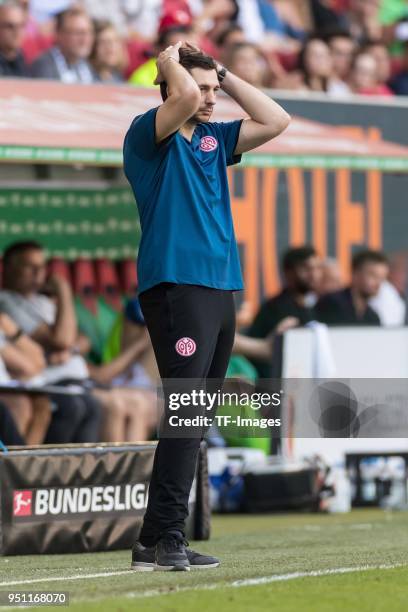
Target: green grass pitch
{"x":283,"y":563}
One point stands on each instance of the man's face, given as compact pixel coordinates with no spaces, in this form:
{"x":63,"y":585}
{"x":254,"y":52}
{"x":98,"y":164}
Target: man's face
{"x":29,"y":271}
{"x":342,"y":49}
{"x":12,"y":24}
{"x":368,"y":279}
{"x":76,"y":37}
{"x":306,"y":276}
{"x":207,"y":80}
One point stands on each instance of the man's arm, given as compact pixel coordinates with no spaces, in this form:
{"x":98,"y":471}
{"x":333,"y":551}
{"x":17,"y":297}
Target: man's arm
{"x":184,"y":95}
{"x":63,"y":334}
{"x":267,"y":118}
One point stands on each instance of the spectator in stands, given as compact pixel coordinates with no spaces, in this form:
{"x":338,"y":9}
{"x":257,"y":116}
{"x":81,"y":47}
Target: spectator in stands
{"x":302,"y":275}
{"x":379,"y":51}
{"x":20,"y":360}
{"x":282,"y":24}
{"x":45,"y":310}
{"x":248,"y":62}
{"x":130,"y":368}
{"x":399,"y":84}
{"x":315,"y":65}
{"x":350,"y":306}
{"x":12,"y":26}
{"x":130,"y":17}
{"x":364,"y":20}
{"x":52,"y":326}
{"x":67,"y":61}
{"x":38,"y":38}
{"x":331,"y":278}
{"x":108,"y":56}
{"x":211,"y":18}
{"x":364,"y":76}
{"x":326,"y":16}
{"x":228,"y":37}
{"x":342,"y":48}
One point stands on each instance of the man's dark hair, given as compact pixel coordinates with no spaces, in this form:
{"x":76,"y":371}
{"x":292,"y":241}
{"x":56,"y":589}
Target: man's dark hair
{"x":16,"y":248}
{"x":70,"y":12}
{"x":296,"y":256}
{"x":190,"y":59}
{"x":368,"y":256}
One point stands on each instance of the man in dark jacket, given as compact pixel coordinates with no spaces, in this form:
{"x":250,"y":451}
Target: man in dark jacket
{"x":350,"y":306}
{"x":67,"y":61}
{"x":302,"y":273}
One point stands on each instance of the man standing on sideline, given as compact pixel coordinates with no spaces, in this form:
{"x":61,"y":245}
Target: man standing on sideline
{"x":188,"y":265}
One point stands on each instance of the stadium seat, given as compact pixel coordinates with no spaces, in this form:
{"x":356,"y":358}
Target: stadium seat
{"x":128,"y":277}
{"x":107,"y":283}
{"x":84,"y":283}
{"x":60,"y":267}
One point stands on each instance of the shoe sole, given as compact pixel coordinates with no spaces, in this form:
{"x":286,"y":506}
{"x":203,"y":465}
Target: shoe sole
{"x":172,"y":568}
{"x":150,"y":567}
{"x":143,"y":567}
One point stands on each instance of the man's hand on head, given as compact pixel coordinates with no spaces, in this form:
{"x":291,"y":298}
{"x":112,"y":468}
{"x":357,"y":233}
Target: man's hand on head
{"x":171,"y":52}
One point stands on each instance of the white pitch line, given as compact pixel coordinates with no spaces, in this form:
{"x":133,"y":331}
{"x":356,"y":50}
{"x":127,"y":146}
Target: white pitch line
{"x":231,"y":584}
{"x":313,"y":574}
{"x":62,"y":578}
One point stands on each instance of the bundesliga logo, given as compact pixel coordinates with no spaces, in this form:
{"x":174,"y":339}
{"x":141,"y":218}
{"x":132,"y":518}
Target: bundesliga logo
{"x":208,"y":143}
{"x":22,"y":503}
{"x":78,"y":500}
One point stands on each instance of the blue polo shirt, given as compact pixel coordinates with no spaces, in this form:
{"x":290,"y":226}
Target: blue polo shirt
{"x":181,"y":191}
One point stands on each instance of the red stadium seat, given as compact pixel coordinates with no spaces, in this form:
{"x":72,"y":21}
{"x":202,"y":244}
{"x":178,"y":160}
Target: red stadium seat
{"x":107,"y":283}
{"x":84,"y":283}
{"x":128,"y":276}
{"x":59,"y":267}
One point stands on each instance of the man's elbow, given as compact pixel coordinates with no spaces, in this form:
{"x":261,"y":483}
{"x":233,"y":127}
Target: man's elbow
{"x":281,"y":123}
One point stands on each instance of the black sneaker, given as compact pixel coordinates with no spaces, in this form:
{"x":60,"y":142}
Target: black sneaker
{"x":144,"y":559}
{"x":171,"y":553}
{"x":199,"y":561}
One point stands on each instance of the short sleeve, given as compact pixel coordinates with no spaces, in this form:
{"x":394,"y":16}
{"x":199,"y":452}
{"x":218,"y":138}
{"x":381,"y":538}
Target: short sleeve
{"x":141,"y":136}
{"x":230,"y":134}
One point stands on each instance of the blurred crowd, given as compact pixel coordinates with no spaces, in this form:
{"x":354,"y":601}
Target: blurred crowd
{"x":74,"y":398}
{"x":340,"y":47}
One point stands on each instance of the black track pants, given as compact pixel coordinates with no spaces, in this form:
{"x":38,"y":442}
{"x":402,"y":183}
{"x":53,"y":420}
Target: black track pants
{"x":192,"y":331}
